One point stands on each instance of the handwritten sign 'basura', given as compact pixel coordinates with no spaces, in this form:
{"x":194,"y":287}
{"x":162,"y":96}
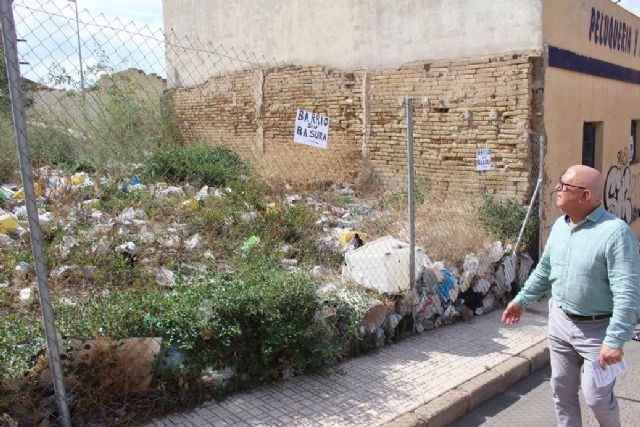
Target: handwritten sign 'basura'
{"x":483,"y":159}
{"x":311,"y":129}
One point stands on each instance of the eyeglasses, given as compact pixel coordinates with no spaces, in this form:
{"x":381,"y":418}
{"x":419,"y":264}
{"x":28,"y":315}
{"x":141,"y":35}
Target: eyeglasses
{"x":564,"y":186}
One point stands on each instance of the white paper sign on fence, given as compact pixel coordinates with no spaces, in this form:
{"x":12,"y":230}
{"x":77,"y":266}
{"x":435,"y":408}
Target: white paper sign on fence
{"x":311,"y":129}
{"x":483,"y":159}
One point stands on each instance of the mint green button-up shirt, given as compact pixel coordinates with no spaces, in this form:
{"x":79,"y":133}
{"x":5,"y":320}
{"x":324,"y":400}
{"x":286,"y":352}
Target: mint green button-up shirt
{"x":592,"y":268}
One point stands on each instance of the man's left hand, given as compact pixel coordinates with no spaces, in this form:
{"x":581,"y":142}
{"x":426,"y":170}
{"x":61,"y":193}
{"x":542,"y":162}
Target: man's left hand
{"x":609,"y":356}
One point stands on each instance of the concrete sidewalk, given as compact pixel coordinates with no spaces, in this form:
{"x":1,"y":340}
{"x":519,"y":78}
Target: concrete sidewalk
{"x":429,"y":379}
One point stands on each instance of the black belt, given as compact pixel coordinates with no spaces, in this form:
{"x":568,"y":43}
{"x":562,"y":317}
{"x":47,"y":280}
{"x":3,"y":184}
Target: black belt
{"x":579,"y":318}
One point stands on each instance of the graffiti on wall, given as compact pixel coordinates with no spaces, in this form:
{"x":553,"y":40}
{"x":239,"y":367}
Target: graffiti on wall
{"x":621,"y":192}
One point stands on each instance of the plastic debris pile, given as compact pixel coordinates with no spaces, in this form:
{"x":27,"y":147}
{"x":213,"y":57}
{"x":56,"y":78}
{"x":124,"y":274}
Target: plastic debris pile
{"x":369,"y":296}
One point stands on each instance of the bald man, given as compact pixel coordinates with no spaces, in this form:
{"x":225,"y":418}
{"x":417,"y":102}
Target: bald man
{"x":592,"y":265}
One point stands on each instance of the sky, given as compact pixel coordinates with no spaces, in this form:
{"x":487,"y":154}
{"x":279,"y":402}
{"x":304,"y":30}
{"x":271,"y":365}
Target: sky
{"x":631,"y":5}
{"x":147,"y":12}
{"x":110,"y":35}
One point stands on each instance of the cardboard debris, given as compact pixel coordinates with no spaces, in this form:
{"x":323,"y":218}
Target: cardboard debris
{"x":134,"y":359}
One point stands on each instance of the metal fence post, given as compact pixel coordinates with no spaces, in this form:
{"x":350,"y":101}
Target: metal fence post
{"x":7,"y":25}
{"x":410,"y":194}
{"x":541,"y":193}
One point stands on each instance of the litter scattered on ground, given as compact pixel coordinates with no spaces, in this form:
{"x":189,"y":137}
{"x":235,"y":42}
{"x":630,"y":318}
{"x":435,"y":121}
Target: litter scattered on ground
{"x":372,"y":294}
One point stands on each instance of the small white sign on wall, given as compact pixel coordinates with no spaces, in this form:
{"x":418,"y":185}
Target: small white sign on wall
{"x":483,"y":159}
{"x":311,"y":129}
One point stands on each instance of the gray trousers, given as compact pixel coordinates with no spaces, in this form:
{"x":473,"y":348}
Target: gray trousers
{"x":573,"y":344}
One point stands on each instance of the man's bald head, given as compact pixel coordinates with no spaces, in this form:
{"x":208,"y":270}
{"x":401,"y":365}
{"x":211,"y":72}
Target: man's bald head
{"x":589,"y":178}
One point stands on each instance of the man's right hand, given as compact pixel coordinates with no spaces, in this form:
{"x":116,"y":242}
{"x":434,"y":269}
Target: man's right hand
{"x":512,"y":314}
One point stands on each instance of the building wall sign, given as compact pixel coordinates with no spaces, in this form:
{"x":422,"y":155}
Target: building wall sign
{"x":615,"y":34}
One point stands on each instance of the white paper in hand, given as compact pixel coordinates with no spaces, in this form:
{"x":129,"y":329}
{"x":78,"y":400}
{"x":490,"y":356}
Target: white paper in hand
{"x":606,"y":377}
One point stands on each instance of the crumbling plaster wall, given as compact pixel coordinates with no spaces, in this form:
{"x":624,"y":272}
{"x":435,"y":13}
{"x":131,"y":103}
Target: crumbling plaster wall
{"x":372,"y":34}
{"x":460,"y":105}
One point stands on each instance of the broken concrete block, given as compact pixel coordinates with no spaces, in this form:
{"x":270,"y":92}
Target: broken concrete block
{"x":484,"y":266}
{"x":482,"y":286}
{"x":524,"y":268}
{"x":193,"y":242}
{"x":465,"y":280}
{"x":496,"y":252}
{"x":382,"y":265}
{"x":505,"y":275}
{"x":25,"y":296}
{"x":471,"y":264}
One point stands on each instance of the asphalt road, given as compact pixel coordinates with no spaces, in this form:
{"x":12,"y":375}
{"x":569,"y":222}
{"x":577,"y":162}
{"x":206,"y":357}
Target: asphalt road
{"x":529,"y":403}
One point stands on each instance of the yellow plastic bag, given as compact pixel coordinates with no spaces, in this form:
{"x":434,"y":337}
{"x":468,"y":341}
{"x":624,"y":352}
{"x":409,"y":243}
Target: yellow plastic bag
{"x":8,"y":223}
{"x":77,"y":179}
{"x":348,"y":235}
{"x":36,"y":187}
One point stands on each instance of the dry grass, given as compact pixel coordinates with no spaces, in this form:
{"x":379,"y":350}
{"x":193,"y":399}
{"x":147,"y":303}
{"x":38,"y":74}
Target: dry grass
{"x":447,"y":230}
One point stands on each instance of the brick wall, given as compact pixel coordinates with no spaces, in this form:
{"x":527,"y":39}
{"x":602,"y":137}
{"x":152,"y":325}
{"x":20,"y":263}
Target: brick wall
{"x":253,"y":112}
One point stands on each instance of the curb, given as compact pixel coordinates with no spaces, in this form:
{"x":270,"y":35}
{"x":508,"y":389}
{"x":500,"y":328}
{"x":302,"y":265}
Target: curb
{"x":451,"y":405}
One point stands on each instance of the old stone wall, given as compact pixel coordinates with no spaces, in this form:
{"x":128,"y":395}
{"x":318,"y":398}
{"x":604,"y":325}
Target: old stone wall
{"x":253,"y":112}
{"x":459,"y":106}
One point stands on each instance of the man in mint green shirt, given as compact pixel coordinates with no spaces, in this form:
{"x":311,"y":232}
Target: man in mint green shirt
{"x":591,"y":262}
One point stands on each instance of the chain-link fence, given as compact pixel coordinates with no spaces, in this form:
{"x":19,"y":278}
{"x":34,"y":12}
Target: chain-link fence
{"x":203,"y":219}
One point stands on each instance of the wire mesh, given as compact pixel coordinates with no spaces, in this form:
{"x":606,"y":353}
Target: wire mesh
{"x":183,"y":228}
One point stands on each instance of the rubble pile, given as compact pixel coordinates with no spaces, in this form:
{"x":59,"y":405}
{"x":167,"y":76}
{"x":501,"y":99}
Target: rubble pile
{"x":379,"y":269}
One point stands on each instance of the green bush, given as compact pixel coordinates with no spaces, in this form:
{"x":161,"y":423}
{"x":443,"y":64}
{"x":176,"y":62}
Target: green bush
{"x":53,"y":147}
{"x":21,"y":339}
{"x":503,"y":220}
{"x":258,"y":321}
{"x":198,"y":164}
